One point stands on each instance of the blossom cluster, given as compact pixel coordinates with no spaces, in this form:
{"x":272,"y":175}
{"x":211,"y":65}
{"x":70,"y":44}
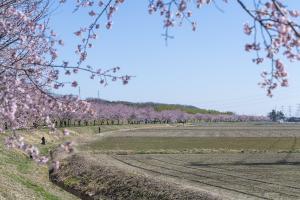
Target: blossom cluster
{"x":276,"y":37}
{"x":96,"y":10}
{"x":17,"y":142}
{"x":29,"y":69}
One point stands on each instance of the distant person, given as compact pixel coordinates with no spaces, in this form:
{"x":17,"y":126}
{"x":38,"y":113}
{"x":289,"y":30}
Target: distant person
{"x":43,"y":141}
{"x":99,"y":130}
{"x":51,"y":154}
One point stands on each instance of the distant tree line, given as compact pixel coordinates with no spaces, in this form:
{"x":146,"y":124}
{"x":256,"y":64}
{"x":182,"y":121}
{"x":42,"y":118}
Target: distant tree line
{"x":105,"y":113}
{"x":276,"y":115}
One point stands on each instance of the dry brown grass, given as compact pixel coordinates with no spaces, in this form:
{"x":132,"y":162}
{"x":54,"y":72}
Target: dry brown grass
{"x":101,"y":181}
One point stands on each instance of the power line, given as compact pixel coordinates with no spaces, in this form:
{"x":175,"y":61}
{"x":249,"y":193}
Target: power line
{"x":243,"y":102}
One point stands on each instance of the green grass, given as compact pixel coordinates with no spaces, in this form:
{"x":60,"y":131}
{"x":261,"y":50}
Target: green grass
{"x":192,"y":144}
{"x":187,"y":109}
{"x":22,"y":178}
{"x":71,"y":181}
{"x":39,"y":191}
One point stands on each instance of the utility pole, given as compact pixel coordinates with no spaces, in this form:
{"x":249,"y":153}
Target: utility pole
{"x":79,"y":92}
{"x":98,"y":94}
{"x":298,"y":111}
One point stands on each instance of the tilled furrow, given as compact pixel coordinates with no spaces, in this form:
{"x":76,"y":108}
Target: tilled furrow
{"x":257,"y":187}
{"x":260,"y":175}
{"x":196,"y":179}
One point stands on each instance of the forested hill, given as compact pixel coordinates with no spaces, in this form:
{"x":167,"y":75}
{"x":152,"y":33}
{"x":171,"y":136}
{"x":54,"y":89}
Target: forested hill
{"x":161,"y":106}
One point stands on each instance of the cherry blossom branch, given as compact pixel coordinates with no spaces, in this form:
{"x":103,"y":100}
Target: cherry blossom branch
{"x":283,"y":37}
{"x":278,"y":8}
{"x":90,"y":30}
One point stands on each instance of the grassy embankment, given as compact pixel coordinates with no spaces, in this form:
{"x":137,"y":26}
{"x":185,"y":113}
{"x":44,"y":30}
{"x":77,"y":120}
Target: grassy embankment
{"x":22,"y":178}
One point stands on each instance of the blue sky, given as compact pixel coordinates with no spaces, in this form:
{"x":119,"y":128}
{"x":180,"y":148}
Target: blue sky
{"x":207,"y":68}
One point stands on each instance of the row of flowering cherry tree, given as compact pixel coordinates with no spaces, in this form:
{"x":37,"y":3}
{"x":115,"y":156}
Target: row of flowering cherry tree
{"x":108,"y":113}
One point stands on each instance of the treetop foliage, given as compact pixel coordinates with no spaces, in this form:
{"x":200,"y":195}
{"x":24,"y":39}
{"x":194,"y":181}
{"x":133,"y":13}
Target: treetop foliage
{"x":162,"y":106}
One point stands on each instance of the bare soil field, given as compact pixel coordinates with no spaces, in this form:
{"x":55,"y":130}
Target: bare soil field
{"x":188,"y":145}
{"x":217,"y":130}
{"x":231,"y":161}
{"x":231,"y":176}
{"x":210,"y":161}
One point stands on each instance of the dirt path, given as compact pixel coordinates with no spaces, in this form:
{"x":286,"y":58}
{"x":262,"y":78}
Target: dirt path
{"x":79,"y":141}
